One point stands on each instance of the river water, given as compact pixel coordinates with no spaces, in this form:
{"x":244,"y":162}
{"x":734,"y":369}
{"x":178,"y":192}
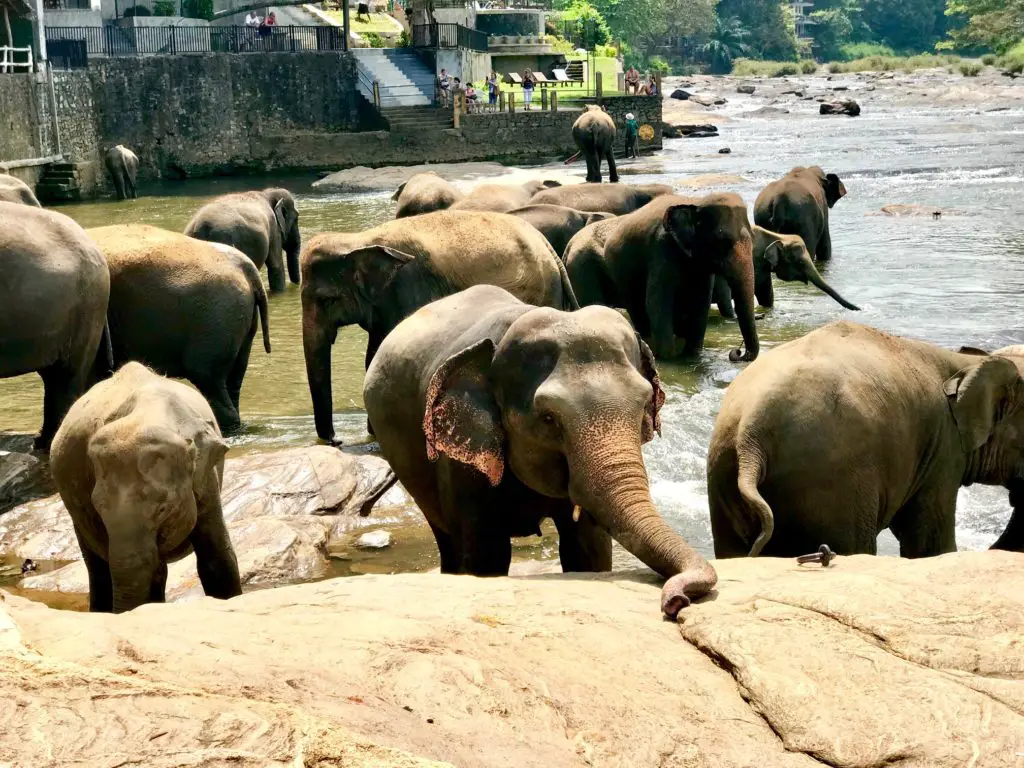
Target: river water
{"x":956,"y":280}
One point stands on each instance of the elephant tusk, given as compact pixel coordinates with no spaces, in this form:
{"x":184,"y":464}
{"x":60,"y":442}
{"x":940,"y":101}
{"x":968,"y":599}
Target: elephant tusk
{"x":576,"y":513}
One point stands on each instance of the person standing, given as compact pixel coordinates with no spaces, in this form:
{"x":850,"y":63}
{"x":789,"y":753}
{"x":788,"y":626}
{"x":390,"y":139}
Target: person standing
{"x":529,"y":81}
{"x":444,"y":85}
{"x":632,"y":134}
{"x":492,"y":92}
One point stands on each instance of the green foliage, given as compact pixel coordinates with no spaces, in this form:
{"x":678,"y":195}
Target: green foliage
{"x":165,"y":8}
{"x":970,"y":69}
{"x":833,"y":29}
{"x":726,"y":44}
{"x":659,"y":65}
{"x":606,"y":51}
{"x":197,"y":9}
{"x":1013,"y":59}
{"x":753,"y":68}
{"x":591,"y":24}
{"x":993,"y":24}
{"x":988,"y":59}
{"x":403,"y":40}
{"x":769,"y":25}
{"x":893,"y":63}
{"x":864,"y":50}
{"x":561,"y":45}
{"x":808,"y":66}
{"x":374,"y":40}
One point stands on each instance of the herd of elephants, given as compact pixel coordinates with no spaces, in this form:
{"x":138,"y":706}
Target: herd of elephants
{"x":503,"y":382}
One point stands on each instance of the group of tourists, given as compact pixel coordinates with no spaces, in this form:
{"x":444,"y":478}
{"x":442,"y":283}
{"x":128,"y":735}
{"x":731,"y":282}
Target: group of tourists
{"x":264,"y":26}
{"x":637,"y":86}
{"x":447,"y":86}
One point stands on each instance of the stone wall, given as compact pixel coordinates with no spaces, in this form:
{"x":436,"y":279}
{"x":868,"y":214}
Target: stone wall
{"x":80,"y":137}
{"x":646,"y":110}
{"x":19,"y":117}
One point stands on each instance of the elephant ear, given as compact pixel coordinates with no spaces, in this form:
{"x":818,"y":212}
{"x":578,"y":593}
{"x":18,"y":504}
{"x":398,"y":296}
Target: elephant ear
{"x":286,"y":215}
{"x":369,"y":269}
{"x":978,"y":396}
{"x":652,"y":413}
{"x":398,"y":192}
{"x":461,"y":418}
{"x":680,"y":221}
{"x":773,"y":254}
{"x":835,"y":190}
{"x":972,"y":351}
{"x":207,"y":450}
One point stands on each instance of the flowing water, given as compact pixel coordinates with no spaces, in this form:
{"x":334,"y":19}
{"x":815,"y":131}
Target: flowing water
{"x":956,"y":280}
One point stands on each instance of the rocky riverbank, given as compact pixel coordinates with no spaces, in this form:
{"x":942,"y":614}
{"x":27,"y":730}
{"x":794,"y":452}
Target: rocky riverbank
{"x":873,"y":661}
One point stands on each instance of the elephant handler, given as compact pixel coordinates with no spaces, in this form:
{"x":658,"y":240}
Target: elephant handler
{"x":632,"y":132}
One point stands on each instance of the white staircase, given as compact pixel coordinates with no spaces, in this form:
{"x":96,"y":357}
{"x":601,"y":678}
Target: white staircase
{"x":403,"y":79}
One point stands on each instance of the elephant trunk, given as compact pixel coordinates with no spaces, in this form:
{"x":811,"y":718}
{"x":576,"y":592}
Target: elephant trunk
{"x":1012,"y":539}
{"x":610,"y":482}
{"x":814,"y":277}
{"x":741,"y":283}
{"x":292,"y":247}
{"x":317,"y":338}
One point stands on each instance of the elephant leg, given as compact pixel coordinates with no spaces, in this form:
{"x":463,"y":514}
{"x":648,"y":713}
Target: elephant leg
{"x":119,"y":186}
{"x":694,"y":303}
{"x":824,"y":250}
{"x":372,"y":345}
{"x":593,"y":166}
{"x":583,"y":545}
{"x":134,"y":566}
{"x":237,"y":373}
{"x":60,"y":390}
{"x":216,"y":394}
{"x":613,"y":174}
{"x":659,"y":309}
{"x":723,"y":298}
{"x":275,"y":273}
{"x":1012,"y":539}
{"x":477,"y":511}
{"x":447,"y":549}
{"x":101,"y":588}
{"x":132,"y":193}
{"x":215,"y":557}
{"x":158,"y":587}
{"x":926,"y":525}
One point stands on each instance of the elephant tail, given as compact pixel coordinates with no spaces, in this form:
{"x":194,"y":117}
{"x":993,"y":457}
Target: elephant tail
{"x":569,"y":300}
{"x":751,"y":469}
{"x":260,"y":294}
{"x":104,"y":364}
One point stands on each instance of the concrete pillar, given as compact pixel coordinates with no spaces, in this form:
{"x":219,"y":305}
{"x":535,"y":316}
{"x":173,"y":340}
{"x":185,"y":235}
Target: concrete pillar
{"x":543,"y":98}
{"x":554,"y":101}
{"x":501,"y":101}
{"x":39,"y":32}
{"x":511,"y":102}
{"x":598,"y":86}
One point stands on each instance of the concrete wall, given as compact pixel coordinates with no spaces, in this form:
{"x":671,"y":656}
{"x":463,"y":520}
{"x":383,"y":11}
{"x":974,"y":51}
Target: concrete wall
{"x":468,"y":66}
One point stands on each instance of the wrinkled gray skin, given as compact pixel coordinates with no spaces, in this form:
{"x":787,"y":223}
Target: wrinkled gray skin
{"x":260,"y":225}
{"x":784,"y":256}
{"x":378,"y":277}
{"x":54,"y":294}
{"x":798,"y":204}
{"x":138,"y":463}
{"x":122,"y":164}
{"x":502,"y":198}
{"x":594,"y":134}
{"x":14,"y":190}
{"x":618,"y":199}
{"x":558,"y":225}
{"x":423,"y":193}
{"x":847,"y":431}
{"x":187,"y":308}
{"x":496,"y":414}
{"x":659,"y":263}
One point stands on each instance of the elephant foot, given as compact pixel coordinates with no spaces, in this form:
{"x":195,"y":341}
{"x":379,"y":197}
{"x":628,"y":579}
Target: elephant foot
{"x":42,"y":443}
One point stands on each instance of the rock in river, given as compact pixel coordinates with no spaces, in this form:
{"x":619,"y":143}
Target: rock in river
{"x":281,"y":509}
{"x":873,"y":661}
{"x":745,"y":88}
{"x":844,"y":107}
{"x":22,"y":477}
{"x":680,"y":94}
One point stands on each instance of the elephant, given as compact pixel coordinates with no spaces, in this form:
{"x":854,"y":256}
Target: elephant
{"x":558,"y":225}
{"x":502,"y":198}
{"x":423,"y":193}
{"x":54,"y":294}
{"x":847,"y":431}
{"x":187,"y":308}
{"x":783,"y":255}
{"x":138,"y":463}
{"x":379,"y":277}
{"x":798,"y":204}
{"x":594,"y":134}
{"x":122,"y":164}
{"x":14,"y":190}
{"x":259,"y":224}
{"x":618,"y":199}
{"x":659,"y":263}
{"x":496,"y":414}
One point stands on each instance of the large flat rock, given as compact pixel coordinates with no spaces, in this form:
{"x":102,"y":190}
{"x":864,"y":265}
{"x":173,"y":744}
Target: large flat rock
{"x":874,"y":661}
{"x":465,"y":176}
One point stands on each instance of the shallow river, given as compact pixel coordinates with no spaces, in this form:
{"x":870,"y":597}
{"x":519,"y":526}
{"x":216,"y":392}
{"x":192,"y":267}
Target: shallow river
{"x":957,"y":280}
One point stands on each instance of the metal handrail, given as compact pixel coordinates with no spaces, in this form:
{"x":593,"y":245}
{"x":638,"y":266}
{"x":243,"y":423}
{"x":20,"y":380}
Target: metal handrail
{"x":448,"y":36}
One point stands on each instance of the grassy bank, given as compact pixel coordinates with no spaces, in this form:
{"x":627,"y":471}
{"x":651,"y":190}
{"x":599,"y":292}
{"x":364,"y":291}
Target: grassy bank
{"x":893,"y":63}
{"x":1013,"y":59}
{"x":755,"y":68}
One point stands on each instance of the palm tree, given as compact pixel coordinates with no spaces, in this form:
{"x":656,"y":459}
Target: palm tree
{"x":727,"y":42}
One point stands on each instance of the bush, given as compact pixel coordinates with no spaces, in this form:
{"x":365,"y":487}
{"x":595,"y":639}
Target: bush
{"x":373,"y":40}
{"x":165,"y":8}
{"x":659,"y":65}
{"x":988,"y":59}
{"x":606,"y":51}
{"x":808,"y":66}
{"x":1013,"y":59}
{"x":891,"y":63}
{"x":970,"y":69}
{"x":197,"y":9}
{"x":136,"y":11}
{"x":403,"y":40}
{"x":854,"y":51}
{"x":754,"y":68}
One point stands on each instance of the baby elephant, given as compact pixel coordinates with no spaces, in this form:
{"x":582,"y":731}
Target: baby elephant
{"x":122,"y":165}
{"x":138,"y":462}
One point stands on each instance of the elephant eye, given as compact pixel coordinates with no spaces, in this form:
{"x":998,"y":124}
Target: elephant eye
{"x":549,"y":419}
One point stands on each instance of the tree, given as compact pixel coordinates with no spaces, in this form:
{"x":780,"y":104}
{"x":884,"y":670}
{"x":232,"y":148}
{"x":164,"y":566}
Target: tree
{"x":588,"y":27}
{"x":832,"y":29}
{"x":770,"y":27}
{"x":906,"y":25}
{"x":995,"y":24}
{"x":727,"y":43}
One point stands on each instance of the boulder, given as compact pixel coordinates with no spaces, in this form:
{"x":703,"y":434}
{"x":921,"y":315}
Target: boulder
{"x":844,"y":107}
{"x":282,"y":509}
{"x":720,"y":100}
{"x":680,"y":94}
{"x":725,"y":151}
{"x":704,"y":99}
{"x":689,"y":131}
{"x":374,"y":540}
{"x":22,"y":477}
{"x":767,"y":112}
{"x":873,"y":661}
{"x":745,"y":88}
